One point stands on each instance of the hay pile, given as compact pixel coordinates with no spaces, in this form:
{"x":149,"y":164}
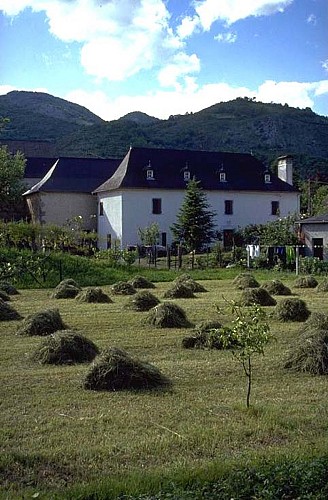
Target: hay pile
{"x":65,"y":347}
{"x":123,"y":288}
{"x":179,"y":291}
{"x":258,"y":296}
{"x":8,"y":288}
{"x":291,"y":309}
{"x":323,"y":286}
{"x":93,"y":295}
{"x":141,"y":282}
{"x":4,"y":296}
{"x":305,"y":282}
{"x":209,"y":335}
{"x":66,"y":289}
{"x":188,"y":281}
{"x":167,"y":315}
{"x":7,"y":312}
{"x":116,"y":370}
{"x":42,"y":323}
{"x":142,"y":301}
{"x":245,"y":280}
{"x":310,"y":353}
{"x":276,"y":287}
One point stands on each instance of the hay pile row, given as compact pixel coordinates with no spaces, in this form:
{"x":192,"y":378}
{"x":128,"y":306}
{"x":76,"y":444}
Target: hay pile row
{"x":7,"y":312}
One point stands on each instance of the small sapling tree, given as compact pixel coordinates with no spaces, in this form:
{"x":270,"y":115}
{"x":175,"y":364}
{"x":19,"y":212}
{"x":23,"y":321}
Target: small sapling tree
{"x":251,"y":333}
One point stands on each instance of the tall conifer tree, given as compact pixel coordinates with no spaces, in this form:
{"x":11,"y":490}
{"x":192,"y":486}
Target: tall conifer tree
{"x":195,"y":224}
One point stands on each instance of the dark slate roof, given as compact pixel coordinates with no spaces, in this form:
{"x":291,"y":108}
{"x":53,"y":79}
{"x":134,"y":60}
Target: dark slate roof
{"x":37,"y":167}
{"x":76,"y":175}
{"x":243,"y":171}
{"x":316,"y":219}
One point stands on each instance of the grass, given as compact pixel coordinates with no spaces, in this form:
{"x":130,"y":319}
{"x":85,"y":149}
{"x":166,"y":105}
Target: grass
{"x":61,"y":441}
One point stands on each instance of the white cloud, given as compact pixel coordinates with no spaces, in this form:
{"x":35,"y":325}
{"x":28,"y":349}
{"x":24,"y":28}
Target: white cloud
{"x":226,"y":37}
{"x":324,"y":64}
{"x":312,"y":19}
{"x":4,"y":89}
{"x":181,"y":66}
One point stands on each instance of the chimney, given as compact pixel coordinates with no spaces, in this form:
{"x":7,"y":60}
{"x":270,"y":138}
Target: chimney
{"x":285,"y":169}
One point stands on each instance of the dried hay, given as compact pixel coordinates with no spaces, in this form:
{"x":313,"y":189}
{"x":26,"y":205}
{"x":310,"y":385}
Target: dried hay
{"x":123,"y":288}
{"x":305,"y":282}
{"x":310,"y":353}
{"x":276,"y":287}
{"x":66,"y":289}
{"x":245,"y":280}
{"x":141,"y":282}
{"x":69,"y":281}
{"x":167,"y":315}
{"x":42,"y":323}
{"x":188,"y":281}
{"x":218,"y":338}
{"x":179,"y":291}
{"x":7,"y":312}
{"x":317,"y":321}
{"x":8,"y":288}
{"x":116,"y":370}
{"x":93,"y":295}
{"x":65,"y":347}
{"x":142,"y":301}
{"x":291,"y":309}
{"x":323,"y":286}
{"x":258,"y":296}
{"x":4,"y":296}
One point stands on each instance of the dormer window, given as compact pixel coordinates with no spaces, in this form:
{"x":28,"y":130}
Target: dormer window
{"x":267,"y":178}
{"x":223,"y":177}
{"x":150,"y":174}
{"x":186,"y":175}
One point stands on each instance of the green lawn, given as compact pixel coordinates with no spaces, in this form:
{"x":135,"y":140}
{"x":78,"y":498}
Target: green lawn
{"x":60,"y":439}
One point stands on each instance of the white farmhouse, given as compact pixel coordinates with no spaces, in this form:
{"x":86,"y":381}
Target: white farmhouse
{"x":149,"y":186}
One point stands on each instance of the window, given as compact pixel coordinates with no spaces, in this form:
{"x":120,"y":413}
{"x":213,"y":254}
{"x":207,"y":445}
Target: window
{"x":267,"y":178}
{"x":150,"y":174}
{"x":222,"y":177}
{"x":109,"y":241}
{"x":186,"y":175}
{"x":164,"y":239}
{"x":275,"y":208}
{"x":228,"y":207}
{"x":101,"y":208}
{"x":157,"y":205}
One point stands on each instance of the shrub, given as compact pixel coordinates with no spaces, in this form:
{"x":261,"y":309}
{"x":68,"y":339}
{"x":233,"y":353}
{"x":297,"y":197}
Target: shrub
{"x":276,"y":287}
{"x":310,"y":353}
{"x":292,"y":309}
{"x":65,"y":347}
{"x":123,"y":288}
{"x":168,"y":315}
{"x":4,"y":296}
{"x":93,"y":295}
{"x":8,"y":288}
{"x":7,"y":312}
{"x":245,"y":280}
{"x":42,"y":323}
{"x":179,"y":291}
{"x":258,"y":296}
{"x":305,"y":282}
{"x":141,"y":282}
{"x":142,"y":301}
{"x":210,"y":335}
{"x":323,"y":286}
{"x":116,"y":370}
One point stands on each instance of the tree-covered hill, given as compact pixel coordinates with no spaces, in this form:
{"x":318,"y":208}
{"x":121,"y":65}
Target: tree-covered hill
{"x":241,"y":125}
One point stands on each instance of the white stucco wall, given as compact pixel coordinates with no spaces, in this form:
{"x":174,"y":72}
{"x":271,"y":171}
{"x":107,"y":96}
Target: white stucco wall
{"x":311,"y":231}
{"x":125,"y":212}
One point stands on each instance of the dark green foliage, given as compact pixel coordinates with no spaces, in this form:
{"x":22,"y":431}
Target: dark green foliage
{"x":292,"y":309}
{"x":65,"y":347}
{"x":323,"y":286}
{"x":245,"y":280}
{"x":276,"y":287}
{"x":4,"y":296}
{"x":188,"y":281}
{"x":179,"y":291}
{"x":167,"y":315}
{"x":141,"y":282}
{"x":195,"y":222}
{"x":210,"y":335}
{"x":305,"y":282}
{"x":310,"y":352}
{"x":42,"y":323}
{"x":8,"y":288}
{"x":123,"y":288}
{"x":116,"y":370}
{"x":142,"y":301}
{"x":258,"y":296}
{"x":93,"y":295}
{"x":7,"y":312}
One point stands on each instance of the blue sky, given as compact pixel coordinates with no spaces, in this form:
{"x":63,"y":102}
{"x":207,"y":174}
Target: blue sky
{"x":166,"y":57}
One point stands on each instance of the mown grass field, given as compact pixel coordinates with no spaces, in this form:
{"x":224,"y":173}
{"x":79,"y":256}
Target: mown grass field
{"x":59,"y":440}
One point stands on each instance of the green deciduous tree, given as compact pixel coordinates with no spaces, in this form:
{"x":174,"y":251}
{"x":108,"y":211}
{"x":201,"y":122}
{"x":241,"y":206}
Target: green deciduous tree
{"x":195,"y":222}
{"x":149,"y":235}
{"x":12,"y":168}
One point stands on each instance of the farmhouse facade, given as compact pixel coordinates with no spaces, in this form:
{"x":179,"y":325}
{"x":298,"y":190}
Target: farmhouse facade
{"x":313,"y":232}
{"x":149,"y":186}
